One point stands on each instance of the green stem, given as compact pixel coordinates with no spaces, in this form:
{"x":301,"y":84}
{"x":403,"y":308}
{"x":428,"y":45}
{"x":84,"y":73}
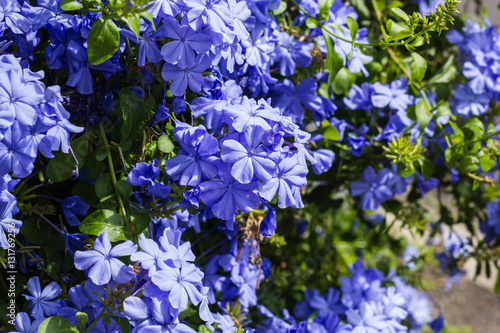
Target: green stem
{"x":123,"y":212}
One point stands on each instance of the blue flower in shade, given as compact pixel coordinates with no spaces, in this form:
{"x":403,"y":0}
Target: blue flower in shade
{"x":79,"y":68}
{"x":15,"y":153}
{"x":226,"y":196}
{"x":73,"y":206}
{"x":331,"y":322}
{"x":268,"y":224}
{"x":60,"y":36}
{"x":144,"y":174}
{"x":186,"y":43}
{"x":182,"y":77}
{"x":393,"y":95}
{"x":374,"y":188}
{"x":426,"y":185}
{"x":248,"y":157}
{"x":357,"y":143}
{"x":437,"y":325}
{"x":491,"y":227}
{"x":196,"y":158}
{"x":181,"y":283}
{"x":289,"y":177}
{"x":469,"y":103}
{"x":74,"y":242}
{"x":292,"y":100}
{"x":41,"y":305}
{"x":148,"y":47}
{"x":290,"y":53}
{"x":101,"y":261}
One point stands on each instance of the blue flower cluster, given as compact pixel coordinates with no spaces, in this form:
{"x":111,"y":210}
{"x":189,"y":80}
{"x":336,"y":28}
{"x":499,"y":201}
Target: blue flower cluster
{"x":454,"y":250}
{"x":32,"y":118}
{"x":364,"y":303}
{"x":479,"y":50}
{"x":376,"y":188}
{"x":8,"y":208}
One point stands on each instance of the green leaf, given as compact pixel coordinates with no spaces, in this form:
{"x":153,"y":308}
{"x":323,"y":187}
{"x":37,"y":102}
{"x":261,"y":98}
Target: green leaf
{"x":70,"y":5}
{"x":423,"y":114}
{"x":334,"y":61}
{"x":54,"y":270}
{"x":134,"y":23}
{"x":101,"y":153}
{"x":324,"y":7}
{"x":281,"y":9}
{"x":103,"y":41}
{"x":397,"y":30}
{"x":82,"y":318}
{"x":486,"y":163}
{"x":124,"y":188}
{"x":469,"y":164}
{"x":165,"y":144}
{"x":104,"y":186}
{"x":104,"y":221}
{"x":401,"y":14}
{"x":343,"y":81}
{"x":204,"y":329}
{"x":57,"y":324}
{"x":122,"y":322}
{"x":405,"y":171}
{"x":446,"y":73}
{"x":62,"y":165}
{"x":418,"y":67}
{"x":476,"y":126}
{"x":353,"y":27}
{"x":133,"y":115}
{"x":311,"y":23}
{"x":140,"y":221}
{"x":185,"y":313}
{"x":427,"y":168}
{"x":331,"y":133}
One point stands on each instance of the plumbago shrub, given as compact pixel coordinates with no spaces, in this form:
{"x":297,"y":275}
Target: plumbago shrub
{"x":236,"y":166}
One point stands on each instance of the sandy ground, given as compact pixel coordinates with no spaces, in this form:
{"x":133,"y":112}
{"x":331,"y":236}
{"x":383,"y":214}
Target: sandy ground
{"x":467,"y":304}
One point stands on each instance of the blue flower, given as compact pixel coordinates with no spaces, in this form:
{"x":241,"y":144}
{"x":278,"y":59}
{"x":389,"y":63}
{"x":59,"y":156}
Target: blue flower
{"x":182,"y":77}
{"x":186,"y":43}
{"x":73,"y":206}
{"x":469,"y":103}
{"x":437,"y":325}
{"x":10,"y":12}
{"x":290,"y":53}
{"x":374,"y":188}
{"x":365,"y":320}
{"x":40,"y":299}
{"x":393,"y":95}
{"x":196,"y":158}
{"x":226,"y":196}
{"x":181,"y":283}
{"x":101,"y":261}
{"x":289,"y":177}
{"x":248,"y":157}
{"x":247,"y":112}
{"x":360,"y":97}
{"x":15,"y":153}
{"x":18,"y":100}
{"x":23,"y":323}
{"x":292,"y":100}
